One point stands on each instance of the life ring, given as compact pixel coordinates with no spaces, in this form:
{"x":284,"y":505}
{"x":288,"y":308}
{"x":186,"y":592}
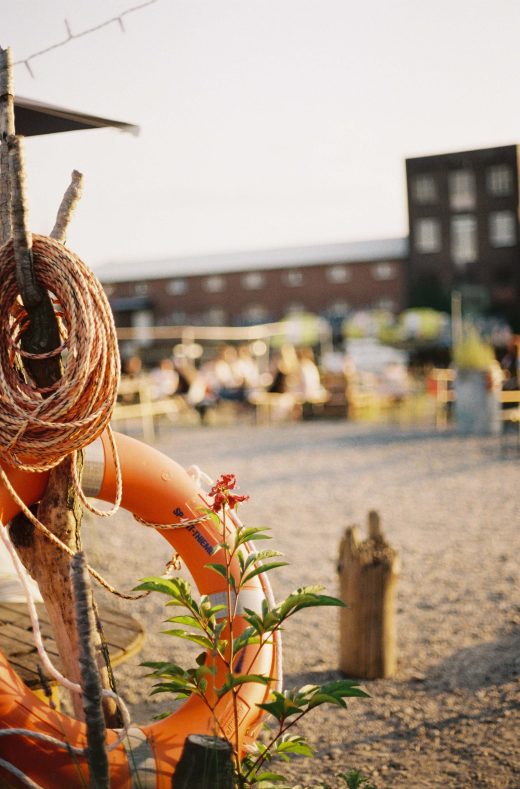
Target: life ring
{"x":157,"y":490}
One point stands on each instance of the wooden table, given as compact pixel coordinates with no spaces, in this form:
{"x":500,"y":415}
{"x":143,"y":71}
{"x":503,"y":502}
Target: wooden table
{"x":124,"y":636}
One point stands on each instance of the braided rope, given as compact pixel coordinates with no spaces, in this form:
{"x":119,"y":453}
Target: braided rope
{"x":39,"y":427}
{"x":37,"y":432}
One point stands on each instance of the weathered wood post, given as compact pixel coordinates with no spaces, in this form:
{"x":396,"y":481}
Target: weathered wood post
{"x":368,"y":573}
{"x":205,"y":763}
{"x":60,"y":507}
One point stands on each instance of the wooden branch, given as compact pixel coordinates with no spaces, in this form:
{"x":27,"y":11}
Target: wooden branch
{"x":205,"y":763}
{"x":42,"y":334}
{"x":6,"y":130}
{"x":368,"y":574}
{"x":90,"y":682}
{"x":60,"y":508}
{"x":67,"y":207}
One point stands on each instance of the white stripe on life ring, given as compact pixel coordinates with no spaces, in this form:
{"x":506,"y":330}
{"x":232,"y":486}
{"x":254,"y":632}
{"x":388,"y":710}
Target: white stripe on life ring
{"x":247,"y":598}
{"x":141,"y":761}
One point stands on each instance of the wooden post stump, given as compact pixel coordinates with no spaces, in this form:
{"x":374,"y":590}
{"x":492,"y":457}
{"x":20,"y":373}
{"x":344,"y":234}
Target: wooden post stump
{"x":205,"y":763}
{"x":368,"y":573}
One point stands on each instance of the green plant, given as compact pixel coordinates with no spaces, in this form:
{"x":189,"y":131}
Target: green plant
{"x":203,"y":624}
{"x":356,"y":780}
{"x":472,"y":353}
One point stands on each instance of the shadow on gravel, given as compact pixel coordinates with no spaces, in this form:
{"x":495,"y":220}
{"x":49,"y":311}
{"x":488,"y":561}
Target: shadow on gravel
{"x":491,"y":663}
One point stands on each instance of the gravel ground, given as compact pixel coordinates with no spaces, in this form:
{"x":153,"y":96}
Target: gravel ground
{"x":450,"y":506}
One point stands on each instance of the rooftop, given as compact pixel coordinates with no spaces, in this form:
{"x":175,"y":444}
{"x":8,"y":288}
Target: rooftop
{"x":350,"y":252}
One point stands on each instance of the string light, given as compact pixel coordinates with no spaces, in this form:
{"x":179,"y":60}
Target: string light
{"x":71,"y":36}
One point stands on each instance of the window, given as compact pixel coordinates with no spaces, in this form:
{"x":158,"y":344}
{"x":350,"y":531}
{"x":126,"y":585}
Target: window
{"x":464,"y":245}
{"x":177,"y":317}
{"x":462,"y":190}
{"x":215,"y":316}
{"x":294,"y":307}
{"x":499,"y":180}
{"x":338,"y":309}
{"x":293,"y":278}
{"x":176,"y":287}
{"x":424,"y":189}
{"x":214,"y":284}
{"x":338,"y":274}
{"x":255,"y":313}
{"x":141,"y":289}
{"x":383,"y":271}
{"x":502,"y":229}
{"x":254,"y":280}
{"x":427,"y":235}
{"x":387,"y":304}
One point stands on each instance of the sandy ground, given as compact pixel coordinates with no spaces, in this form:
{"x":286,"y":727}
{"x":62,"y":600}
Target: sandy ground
{"x":451,"y":716}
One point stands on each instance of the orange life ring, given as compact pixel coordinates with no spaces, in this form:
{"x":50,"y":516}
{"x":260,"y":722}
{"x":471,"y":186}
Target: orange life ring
{"x":154,"y":489}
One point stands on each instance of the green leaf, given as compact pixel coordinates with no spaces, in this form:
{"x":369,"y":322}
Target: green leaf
{"x":233,"y":681}
{"x":263,"y":568}
{"x":185,"y":619}
{"x":247,"y":637}
{"x":259,"y":556}
{"x":173,"y":587}
{"x":268,"y":776}
{"x":294,"y":745}
{"x":250,"y":533}
{"x":306,"y":597}
{"x":218,"y":568}
{"x":202,"y":641}
{"x":281,"y":706}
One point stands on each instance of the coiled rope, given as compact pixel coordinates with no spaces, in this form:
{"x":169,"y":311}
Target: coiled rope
{"x":39,"y":427}
{"x":37,"y":431}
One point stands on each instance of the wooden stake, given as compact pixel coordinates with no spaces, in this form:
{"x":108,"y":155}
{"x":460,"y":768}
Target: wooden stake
{"x":6,"y":130}
{"x":368,"y":573}
{"x":205,"y":763}
{"x":60,"y":508}
{"x":90,"y":684}
{"x":67,"y":207}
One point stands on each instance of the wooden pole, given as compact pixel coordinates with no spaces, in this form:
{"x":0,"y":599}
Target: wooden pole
{"x":90,"y":682}
{"x":205,"y":763}
{"x":60,"y":508}
{"x":368,"y":573}
{"x":6,"y":130}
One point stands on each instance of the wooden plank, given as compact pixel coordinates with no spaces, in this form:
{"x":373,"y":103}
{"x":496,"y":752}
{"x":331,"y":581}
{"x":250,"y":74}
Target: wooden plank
{"x":124,"y":636}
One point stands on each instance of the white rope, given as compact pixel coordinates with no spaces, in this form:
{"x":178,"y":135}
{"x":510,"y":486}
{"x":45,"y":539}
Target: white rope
{"x":21,"y":776}
{"x":45,"y":659}
{"x":200,"y":477}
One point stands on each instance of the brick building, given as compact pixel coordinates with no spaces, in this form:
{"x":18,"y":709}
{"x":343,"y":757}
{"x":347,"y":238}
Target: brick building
{"x":244,"y":288}
{"x":463,"y":213}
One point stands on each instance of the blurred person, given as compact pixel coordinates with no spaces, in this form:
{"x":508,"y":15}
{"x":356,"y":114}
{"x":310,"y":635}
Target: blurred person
{"x":164,"y":379}
{"x":510,"y":365}
{"x":133,"y":366}
{"x":395,"y":382}
{"x":247,"y":368}
{"x":309,"y":379}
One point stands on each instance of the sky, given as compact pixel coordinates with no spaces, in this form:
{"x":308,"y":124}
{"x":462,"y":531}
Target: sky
{"x":264,"y":123}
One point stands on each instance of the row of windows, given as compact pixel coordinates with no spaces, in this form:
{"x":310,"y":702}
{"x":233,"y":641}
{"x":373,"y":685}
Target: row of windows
{"x":462,"y":187}
{"x":259,"y":313}
{"x":256,"y":280}
{"x":502,"y":232}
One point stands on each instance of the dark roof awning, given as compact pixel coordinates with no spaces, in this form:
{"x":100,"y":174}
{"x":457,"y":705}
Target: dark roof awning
{"x":35,"y":117}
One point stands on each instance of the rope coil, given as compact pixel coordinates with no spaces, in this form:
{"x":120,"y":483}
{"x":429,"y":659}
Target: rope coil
{"x":37,"y":431}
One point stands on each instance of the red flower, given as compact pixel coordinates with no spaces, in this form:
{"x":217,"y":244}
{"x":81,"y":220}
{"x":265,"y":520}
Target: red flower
{"x":222,"y":495}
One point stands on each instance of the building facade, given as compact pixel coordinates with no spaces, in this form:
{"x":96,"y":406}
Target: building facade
{"x":463,"y":214}
{"x":248,"y":288}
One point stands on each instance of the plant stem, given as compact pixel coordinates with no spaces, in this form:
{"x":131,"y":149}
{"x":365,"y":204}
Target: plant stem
{"x":261,"y":759}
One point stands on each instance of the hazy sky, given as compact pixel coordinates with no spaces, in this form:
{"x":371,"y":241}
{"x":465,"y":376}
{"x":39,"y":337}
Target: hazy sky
{"x":263,"y":122}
